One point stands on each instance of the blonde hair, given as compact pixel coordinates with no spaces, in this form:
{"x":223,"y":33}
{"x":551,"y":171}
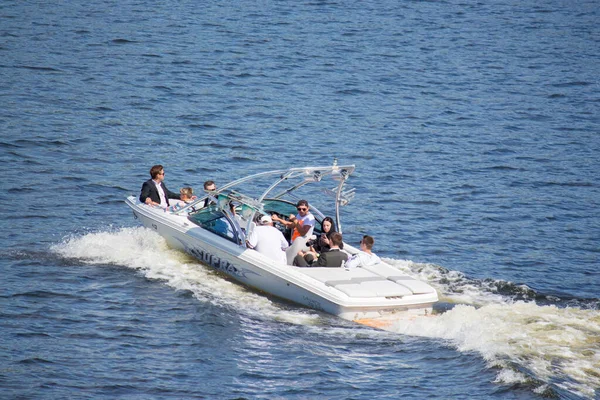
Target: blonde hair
{"x":187,"y":192}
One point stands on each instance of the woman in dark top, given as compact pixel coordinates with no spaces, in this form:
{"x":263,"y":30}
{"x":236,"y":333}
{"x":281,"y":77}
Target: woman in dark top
{"x":323,"y":243}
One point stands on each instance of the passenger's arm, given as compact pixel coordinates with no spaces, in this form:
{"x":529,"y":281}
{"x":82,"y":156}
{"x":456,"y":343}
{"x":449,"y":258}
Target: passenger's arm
{"x":352,"y":262}
{"x":251,"y":240}
{"x":284,"y":243}
{"x":170,"y":195}
{"x":145,"y":195}
{"x":302,"y":229}
{"x":287,"y":224}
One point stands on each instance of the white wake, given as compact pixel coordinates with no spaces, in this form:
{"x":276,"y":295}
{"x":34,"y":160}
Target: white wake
{"x":559,"y":346}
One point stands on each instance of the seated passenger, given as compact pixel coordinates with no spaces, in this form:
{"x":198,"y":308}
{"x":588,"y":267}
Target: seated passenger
{"x":333,"y":258}
{"x":364,"y":257}
{"x":322,"y":243}
{"x":299,"y":223}
{"x":268,"y":240}
{"x":186,"y":195}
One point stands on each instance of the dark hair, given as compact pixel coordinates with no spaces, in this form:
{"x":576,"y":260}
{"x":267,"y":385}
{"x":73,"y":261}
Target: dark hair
{"x":155,"y":170}
{"x":208,"y":183}
{"x":302,"y":203}
{"x":309,"y":258}
{"x":336,"y":239}
{"x":319,"y":245}
{"x":332,"y":226}
{"x":368,"y":241}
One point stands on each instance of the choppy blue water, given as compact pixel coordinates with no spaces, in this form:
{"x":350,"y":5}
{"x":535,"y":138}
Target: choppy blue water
{"x":475,"y":131}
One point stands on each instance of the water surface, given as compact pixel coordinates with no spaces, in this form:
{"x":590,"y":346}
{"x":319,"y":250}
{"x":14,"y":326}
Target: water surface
{"x":474,"y":130}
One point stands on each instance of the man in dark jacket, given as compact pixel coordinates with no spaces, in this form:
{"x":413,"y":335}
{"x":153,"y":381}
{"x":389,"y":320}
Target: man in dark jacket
{"x":154,"y":191}
{"x":333,"y":258}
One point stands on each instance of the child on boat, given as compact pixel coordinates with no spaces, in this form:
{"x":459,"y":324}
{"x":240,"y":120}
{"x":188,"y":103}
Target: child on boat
{"x":186,"y":195}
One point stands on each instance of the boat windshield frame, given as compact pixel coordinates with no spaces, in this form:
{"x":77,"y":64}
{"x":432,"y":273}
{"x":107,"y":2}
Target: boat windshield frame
{"x":305,"y":175}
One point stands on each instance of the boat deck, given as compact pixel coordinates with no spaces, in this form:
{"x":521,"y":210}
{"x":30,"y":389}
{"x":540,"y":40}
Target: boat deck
{"x":381,"y":280}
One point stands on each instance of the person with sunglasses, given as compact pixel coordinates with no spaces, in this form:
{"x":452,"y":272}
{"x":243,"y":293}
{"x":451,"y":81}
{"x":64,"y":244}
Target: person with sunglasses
{"x":209,"y":187}
{"x":300,"y":223}
{"x":365,"y":256}
{"x":154,"y":191}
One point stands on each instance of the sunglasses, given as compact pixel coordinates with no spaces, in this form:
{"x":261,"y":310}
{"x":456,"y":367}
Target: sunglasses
{"x":301,"y":208}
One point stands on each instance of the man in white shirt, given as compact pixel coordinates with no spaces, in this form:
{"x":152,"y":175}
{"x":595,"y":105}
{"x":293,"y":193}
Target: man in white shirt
{"x":299,"y":223}
{"x":365,"y":256}
{"x":268,"y":240}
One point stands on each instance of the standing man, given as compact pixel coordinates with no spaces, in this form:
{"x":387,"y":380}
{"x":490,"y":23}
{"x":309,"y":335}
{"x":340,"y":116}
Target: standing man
{"x":299,"y":223}
{"x":209,"y":187}
{"x":154,"y":191}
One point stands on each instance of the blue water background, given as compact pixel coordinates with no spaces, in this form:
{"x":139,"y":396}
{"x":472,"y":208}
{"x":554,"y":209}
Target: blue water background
{"x":474,"y":128}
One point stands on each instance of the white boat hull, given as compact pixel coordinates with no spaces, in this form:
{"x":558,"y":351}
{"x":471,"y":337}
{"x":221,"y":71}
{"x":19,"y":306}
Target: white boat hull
{"x":358,"y":295}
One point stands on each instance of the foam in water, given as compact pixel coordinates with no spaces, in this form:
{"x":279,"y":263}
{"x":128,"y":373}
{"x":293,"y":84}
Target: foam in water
{"x":558,"y":345}
{"x":147,"y":252}
{"x":552,"y":345}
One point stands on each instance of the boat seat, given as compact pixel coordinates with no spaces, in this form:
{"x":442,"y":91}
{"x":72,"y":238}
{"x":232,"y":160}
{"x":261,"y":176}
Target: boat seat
{"x":357,"y":282}
{"x":377,"y":285}
{"x":417,"y":287}
{"x":325,"y":274}
{"x":395,"y":275}
{"x":354,"y":280}
{"x":371,"y":288}
{"x":386,"y":288}
{"x":356,"y":290}
{"x":298,"y":245}
{"x":382,"y":269}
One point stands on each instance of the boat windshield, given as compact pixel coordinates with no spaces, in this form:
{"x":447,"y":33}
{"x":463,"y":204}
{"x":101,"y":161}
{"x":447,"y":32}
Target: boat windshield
{"x":279,"y":206}
{"x":214,"y":220}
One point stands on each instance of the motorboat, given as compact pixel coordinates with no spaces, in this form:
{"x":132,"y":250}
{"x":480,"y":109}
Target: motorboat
{"x":215,"y":227}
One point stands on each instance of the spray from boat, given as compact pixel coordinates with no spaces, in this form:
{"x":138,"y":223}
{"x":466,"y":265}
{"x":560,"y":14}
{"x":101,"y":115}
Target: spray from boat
{"x":528,"y":337}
